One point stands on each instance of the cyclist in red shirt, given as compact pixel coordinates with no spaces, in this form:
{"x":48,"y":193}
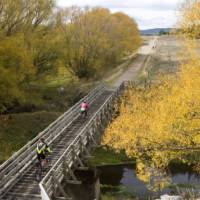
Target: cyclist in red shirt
{"x":84,"y":108}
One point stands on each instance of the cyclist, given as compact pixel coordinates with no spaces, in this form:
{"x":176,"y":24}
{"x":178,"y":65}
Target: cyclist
{"x":42,"y":150}
{"x":84,"y":108}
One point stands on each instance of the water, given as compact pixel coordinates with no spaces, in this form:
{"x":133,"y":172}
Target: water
{"x":125,"y":176}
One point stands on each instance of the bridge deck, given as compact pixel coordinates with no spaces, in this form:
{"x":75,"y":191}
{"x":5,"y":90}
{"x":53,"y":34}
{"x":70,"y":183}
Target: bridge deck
{"x":27,"y":187}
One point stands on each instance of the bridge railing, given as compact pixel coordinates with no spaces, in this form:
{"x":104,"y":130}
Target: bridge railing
{"x":20,"y":162}
{"x":59,"y":169}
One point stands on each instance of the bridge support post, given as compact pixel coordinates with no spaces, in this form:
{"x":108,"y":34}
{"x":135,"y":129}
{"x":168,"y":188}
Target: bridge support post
{"x":96,"y":132}
{"x":74,"y":179}
{"x":107,"y":114}
{"x":91,"y":137}
{"x":110,"y":109}
{"x":99,"y":124}
{"x":69,"y":172}
{"x":76,"y":158}
{"x":84,"y":150}
{"x":61,"y":190}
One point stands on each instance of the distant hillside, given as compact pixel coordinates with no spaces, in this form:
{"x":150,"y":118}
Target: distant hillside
{"x":155,"y":31}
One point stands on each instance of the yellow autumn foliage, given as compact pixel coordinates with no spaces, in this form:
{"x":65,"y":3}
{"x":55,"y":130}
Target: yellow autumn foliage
{"x":164,"y":115}
{"x":190,"y":16}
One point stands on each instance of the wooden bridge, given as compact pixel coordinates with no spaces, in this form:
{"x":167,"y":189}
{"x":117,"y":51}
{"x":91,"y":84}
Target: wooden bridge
{"x":71,"y":139}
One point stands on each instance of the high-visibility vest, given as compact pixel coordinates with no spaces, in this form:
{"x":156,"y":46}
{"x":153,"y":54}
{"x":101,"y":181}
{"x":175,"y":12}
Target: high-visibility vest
{"x":42,"y":148}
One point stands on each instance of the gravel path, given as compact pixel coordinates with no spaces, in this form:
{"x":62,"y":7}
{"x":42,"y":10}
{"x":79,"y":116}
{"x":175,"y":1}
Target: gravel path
{"x":132,"y":72}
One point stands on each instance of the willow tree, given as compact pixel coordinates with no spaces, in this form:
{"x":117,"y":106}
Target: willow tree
{"x":19,"y":16}
{"x":22,"y":23}
{"x":96,"y":39}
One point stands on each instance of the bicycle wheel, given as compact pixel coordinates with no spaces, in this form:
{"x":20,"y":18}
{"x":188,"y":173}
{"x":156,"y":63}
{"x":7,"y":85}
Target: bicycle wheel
{"x":38,"y":172}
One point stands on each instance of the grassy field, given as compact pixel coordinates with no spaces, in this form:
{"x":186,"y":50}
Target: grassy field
{"x":114,"y":74}
{"x":116,"y":193}
{"x":165,"y":59}
{"x":103,"y":156}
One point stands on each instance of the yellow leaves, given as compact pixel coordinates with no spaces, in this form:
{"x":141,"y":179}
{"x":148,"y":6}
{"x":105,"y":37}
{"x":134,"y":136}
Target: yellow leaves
{"x":155,"y":178}
{"x":15,"y":57}
{"x":142,"y":173}
{"x":24,"y":16}
{"x":166,"y":115}
{"x":190,"y":18}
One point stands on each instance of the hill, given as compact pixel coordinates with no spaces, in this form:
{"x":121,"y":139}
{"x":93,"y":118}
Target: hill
{"x":155,"y":31}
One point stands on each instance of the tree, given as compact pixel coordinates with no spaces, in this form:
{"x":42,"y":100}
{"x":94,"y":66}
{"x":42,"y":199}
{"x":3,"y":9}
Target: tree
{"x":22,"y":16}
{"x":95,"y":38}
{"x":190,"y":16}
{"x":22,"y":23}
{"x":16,"y":68}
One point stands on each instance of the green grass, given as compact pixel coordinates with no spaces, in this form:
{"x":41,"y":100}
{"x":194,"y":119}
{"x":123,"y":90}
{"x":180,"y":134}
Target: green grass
{"x":116,"y":193}
{"x":17,"y":129}
{"x":103,"y":156}
{"x":118,"y":71}
{"x":54,"y":96}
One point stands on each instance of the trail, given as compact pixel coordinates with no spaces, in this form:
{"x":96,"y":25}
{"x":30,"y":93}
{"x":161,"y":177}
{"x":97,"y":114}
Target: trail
{"x":132,"y":72}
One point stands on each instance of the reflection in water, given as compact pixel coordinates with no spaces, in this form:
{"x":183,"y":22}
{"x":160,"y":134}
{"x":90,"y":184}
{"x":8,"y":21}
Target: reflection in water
{"x":125,"y":175}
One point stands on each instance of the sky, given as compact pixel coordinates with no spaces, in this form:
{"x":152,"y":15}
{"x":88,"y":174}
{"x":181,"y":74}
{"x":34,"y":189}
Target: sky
{"x":147,"y":13}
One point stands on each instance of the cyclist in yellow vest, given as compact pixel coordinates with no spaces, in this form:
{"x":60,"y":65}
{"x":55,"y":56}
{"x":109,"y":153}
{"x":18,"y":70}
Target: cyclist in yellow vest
{"x":42,"y":150}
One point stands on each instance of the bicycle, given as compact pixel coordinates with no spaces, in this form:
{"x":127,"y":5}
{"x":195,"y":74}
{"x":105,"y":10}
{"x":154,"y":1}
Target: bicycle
{"x":84,"y":115}
{"x":40,"y":169}
{"x":43,"y":151}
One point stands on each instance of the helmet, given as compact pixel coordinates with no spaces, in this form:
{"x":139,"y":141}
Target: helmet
{"x":40,"y":145}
